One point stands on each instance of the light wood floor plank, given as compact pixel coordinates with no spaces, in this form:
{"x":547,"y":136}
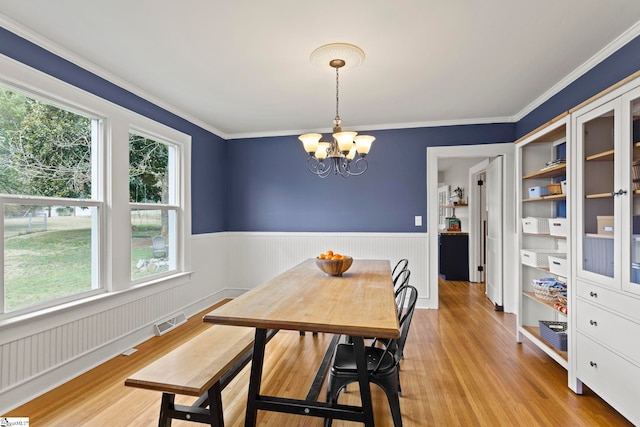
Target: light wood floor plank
{"x":462,"y":367}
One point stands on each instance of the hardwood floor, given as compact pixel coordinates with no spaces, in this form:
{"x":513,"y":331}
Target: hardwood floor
{"x":462,"y":367}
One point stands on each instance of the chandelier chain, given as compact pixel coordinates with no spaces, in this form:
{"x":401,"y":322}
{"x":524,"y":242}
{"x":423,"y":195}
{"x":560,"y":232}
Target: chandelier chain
{"x":337,"y":93}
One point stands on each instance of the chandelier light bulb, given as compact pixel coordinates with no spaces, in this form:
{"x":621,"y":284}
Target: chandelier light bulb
{"x":310,"y":142}
{"x":323,"y":150}
{"x":363,"y":143}
{"x":345,"y":140}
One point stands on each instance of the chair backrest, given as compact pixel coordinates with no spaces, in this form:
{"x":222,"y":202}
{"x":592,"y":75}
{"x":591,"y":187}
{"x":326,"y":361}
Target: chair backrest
{"x":401,"y":281}
{"x":400,"y":266}
{"x":158,"y":242}
{"x":409,"y":296}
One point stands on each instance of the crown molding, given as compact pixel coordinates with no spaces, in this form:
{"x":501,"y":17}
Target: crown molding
{"x":412,"y":125}
{"x":604,"y":53}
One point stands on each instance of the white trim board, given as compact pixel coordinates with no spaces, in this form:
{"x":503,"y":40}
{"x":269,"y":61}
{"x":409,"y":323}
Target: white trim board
{"x":481,"y":150}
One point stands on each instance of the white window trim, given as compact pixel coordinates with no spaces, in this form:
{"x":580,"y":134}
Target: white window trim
{"x":112,"y":156}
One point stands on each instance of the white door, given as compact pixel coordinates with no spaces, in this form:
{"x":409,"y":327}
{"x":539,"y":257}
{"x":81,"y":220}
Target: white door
{"x":443,"y":200}
{"x":494,"y":232}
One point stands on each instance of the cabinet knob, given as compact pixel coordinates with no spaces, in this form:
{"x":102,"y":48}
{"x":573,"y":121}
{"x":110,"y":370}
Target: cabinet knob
{"x":593,"y":323}
{"x":593,"y":364}
{"x":619,"y":192}
{"x":593,"y":294}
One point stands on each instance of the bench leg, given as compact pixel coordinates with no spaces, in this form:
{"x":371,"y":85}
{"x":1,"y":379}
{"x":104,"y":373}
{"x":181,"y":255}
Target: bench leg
{"x":213,"y":415}
{"x":215,"y":405}
{"x":168,"y":400}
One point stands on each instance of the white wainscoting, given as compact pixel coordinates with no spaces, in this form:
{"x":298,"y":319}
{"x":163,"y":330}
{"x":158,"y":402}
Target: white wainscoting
{"x":254,"y":258}
{"x":40,"y":353}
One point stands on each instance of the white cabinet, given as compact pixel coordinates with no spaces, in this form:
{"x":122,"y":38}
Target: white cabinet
{"x":541,"y":163}
{"x":606,"y":238}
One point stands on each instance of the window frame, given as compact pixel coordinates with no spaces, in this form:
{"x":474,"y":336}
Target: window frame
{"x":110,"y":190}
{"x":175,"y":171}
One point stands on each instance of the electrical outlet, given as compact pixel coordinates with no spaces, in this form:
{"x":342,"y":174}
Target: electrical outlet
{"x":418,"y":220}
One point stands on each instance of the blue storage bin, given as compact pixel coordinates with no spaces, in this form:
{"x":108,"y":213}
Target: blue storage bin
{"x":555,"y":333}
{"x":538,"y":192}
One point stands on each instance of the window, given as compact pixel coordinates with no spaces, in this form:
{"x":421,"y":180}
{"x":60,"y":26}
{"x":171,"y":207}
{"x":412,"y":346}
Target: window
{"x":79,"y":218}
{"x":51,"y":212}
{"x":154,"y":212}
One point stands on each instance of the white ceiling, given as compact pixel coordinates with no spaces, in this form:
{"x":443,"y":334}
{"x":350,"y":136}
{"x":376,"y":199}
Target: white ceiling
{"x":241,"y":68}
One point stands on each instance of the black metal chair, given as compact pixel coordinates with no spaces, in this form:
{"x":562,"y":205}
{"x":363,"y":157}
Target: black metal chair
{"x":382,"y":363}
{"x":401,"y":265}
{"x":401,"y":280}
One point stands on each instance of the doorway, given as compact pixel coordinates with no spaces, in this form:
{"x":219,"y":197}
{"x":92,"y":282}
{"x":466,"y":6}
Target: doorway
{"x":444,"y":154}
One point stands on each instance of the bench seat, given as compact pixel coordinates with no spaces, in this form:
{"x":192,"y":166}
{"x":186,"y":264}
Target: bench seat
{"x":196,"y":365}
{"x":201,"y":367}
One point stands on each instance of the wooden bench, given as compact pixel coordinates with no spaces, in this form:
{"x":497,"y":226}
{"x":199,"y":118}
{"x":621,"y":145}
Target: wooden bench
{"x":202,"y":367}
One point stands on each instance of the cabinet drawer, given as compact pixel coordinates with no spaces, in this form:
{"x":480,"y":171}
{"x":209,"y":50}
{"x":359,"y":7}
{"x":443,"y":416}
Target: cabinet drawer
{"x":613,"y":300}
{"x":608,"y":329}
{"x":612,"y":377}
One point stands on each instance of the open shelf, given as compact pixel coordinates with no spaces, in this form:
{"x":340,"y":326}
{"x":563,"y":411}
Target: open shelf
{"x":552,"y":172}
{"x":544,"y":235}
{"x":533,"y":333}
{"x":546,"y":198}
{"x":549,"y":303}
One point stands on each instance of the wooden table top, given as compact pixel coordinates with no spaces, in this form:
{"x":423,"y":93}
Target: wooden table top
{"x":360,"y":303}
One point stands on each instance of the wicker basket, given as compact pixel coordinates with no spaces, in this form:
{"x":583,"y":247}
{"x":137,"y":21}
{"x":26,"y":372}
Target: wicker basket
{"x":542,"y":290}
{"x":562,"y":298}
{"x":555,"y":188}
{"x":546,"y":292}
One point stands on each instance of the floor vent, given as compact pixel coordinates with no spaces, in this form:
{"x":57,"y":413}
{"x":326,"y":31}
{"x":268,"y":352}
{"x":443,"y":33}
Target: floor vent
{"x":169,"y":324}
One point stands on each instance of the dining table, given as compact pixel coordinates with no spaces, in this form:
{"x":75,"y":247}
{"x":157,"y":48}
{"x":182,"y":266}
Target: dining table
{"x":358,"y":304}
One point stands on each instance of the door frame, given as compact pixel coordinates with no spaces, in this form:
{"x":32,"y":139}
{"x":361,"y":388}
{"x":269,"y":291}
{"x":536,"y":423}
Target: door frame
{"x":479,"y":150}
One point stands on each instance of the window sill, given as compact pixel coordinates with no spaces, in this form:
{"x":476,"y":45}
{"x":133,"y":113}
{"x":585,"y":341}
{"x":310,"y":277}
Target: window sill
{"x":55,"y":315}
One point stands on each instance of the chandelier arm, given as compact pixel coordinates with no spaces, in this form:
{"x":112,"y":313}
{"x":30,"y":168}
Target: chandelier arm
{"x":342,"y":167}
{"x":360,"y":165}
{"x":317,"y":167}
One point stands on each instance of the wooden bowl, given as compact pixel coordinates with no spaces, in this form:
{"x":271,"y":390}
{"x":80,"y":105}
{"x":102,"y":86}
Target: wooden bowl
{"x":334,"y":267}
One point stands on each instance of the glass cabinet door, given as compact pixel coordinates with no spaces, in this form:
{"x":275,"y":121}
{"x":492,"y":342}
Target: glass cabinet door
{"x":596,"y":212}
{"x":631,"y":203}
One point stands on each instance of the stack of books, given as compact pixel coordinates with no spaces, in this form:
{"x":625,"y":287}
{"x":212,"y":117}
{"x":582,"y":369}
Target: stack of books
{"x":553,"y":163}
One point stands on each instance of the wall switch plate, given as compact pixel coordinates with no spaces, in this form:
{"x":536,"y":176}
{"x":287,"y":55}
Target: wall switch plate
{"x":418,"y":220}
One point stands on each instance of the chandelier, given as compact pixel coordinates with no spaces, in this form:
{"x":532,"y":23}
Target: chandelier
{"x":345,"y":153}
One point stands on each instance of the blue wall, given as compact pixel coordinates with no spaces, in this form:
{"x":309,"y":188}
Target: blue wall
{"x":208,"y":150}
{"x":262,"y":184}
{"x":270,"y":188}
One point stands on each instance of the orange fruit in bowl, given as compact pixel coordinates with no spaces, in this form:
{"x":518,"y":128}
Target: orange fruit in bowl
{"x":329,"y":254}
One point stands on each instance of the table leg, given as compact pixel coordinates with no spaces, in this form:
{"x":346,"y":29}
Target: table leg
{"x":256,"y":377}
{"x":363,"y":380}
